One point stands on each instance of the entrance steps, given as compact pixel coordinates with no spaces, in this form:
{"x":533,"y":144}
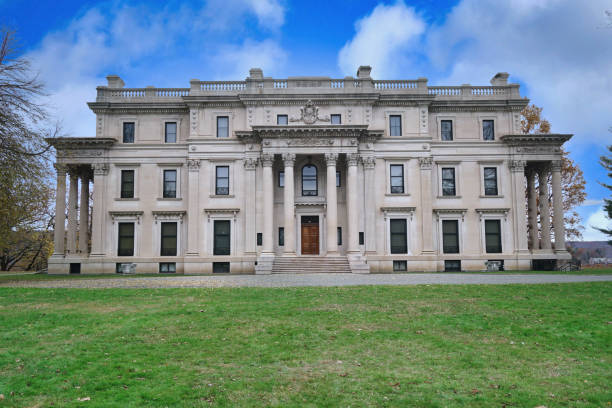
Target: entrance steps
{"x":311,"y":264}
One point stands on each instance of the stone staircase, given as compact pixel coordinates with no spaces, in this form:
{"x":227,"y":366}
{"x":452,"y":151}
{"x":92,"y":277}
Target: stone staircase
{"x":311,"y":264}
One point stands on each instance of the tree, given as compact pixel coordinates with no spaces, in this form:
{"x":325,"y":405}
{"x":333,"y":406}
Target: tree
{"x":606,"y":162}
{"x":572,"y":177}
{"x":25,"y":196}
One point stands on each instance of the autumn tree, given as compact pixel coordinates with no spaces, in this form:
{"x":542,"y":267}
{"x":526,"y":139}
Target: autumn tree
{"x":606,"y":163}
{"x":572,"y":177}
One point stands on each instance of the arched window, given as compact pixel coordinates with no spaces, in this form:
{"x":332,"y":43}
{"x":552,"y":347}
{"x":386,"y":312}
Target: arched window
{"x":309,"y":180}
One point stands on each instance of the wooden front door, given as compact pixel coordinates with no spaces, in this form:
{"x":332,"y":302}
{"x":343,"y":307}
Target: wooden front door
{"x":310,"y":235}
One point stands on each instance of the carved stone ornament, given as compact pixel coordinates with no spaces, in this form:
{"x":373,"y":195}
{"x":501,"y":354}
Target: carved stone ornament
{"x":426,"y":163}
{"x":310,"y":141}
{"x":331,"y":158}
{"x":369,"y":162}
{"x":289,"y":159}
{"x":193,"y":164}
{"x":267,"y":159}
{"x":517,"y":165}
{"x":352,"y":159}
{"x":100,"y":169}
{"x":309,"y":114}
{"x":250,"y":163}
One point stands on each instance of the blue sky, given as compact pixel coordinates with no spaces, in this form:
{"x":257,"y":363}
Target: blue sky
{"x":560,"y":51}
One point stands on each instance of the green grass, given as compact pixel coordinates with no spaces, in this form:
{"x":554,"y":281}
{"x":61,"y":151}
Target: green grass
{"x":375,"y":346}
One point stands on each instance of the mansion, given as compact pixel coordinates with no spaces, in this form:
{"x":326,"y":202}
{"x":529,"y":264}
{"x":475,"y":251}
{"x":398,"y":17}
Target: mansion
{"x":308,"y":174}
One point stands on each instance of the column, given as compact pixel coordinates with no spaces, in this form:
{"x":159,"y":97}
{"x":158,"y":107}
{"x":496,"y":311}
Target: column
{"x":544,"y":207}
{"x":193,"y":216}
{"x":352,"y":215}
{"x":84,"y":215}
{"x":517,"y":168}
{"x":369,"y":164}
{"x":268,"y":204}
{"x":98,"y":218}
{"x":532,"y":205}
{"x":426,"y":164}
{"x":60,"y":210}
{"x":558,"y":222}
{"x":250,"y":233}
{"x":289,"y":197}
{"x":332,"y":204}
{"x":72,"y":212}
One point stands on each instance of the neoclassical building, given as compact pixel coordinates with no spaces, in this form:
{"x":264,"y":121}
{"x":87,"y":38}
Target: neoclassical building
{"x":308,"y":174}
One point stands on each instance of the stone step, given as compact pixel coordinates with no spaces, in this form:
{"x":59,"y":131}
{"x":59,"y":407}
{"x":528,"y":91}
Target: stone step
{"x":311,"y":264}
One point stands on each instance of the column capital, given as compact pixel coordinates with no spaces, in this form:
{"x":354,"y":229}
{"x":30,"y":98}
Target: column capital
{"x":331,"y":158}
{"x":556,"y":165}
{"x":369,"y":162}
{"x":100,"y":169}
{"x":289,"y":159}
{"x":426,"y":163}
{"x":61,"y":169}
{"x":250,"y":163}
{"x":352,"y":159}
{"x":193,"y":164}
{"x":267,"y":159}
{"x":517,"y":166}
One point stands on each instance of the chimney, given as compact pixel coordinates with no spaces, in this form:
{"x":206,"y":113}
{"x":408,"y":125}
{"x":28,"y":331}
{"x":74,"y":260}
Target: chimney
{"x":114,"y":81}
{"x":363,"y":72}
{"x":256,"y":73}
{"x":500,"y":79}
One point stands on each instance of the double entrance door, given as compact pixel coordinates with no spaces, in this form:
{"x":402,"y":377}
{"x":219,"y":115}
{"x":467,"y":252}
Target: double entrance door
{"x":310,"y":234}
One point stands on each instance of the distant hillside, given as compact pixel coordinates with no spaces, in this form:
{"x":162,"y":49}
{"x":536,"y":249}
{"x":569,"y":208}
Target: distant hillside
{"x":585,"y":250}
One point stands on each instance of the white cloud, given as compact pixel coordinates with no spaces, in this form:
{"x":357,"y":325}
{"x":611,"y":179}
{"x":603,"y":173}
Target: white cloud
{"x":221,"y":15}
{"x":598,"y":219}
{"x":591,"y":202}
{"x":380,"y":38}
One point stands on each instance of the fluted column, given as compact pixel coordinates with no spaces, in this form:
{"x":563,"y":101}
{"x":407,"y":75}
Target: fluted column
{"x":98,"y":219}
{"x":193,"y":215}
{"x":289,"y":198}
{"x":517,"y":168}
{"x":268,"y":204}
{"x":369,"y":164}
{"x":250,"y":167}
{"x":84,"y":215}
{"x":544,"y":207}
{"x":352,"y":215}
{"x":558,"y":222}
{"x":532,"y":204}
{"x":332,"y":204}
{"x":426,"y":164}
{"x":60,"y":211}
{"x":72,"y":212}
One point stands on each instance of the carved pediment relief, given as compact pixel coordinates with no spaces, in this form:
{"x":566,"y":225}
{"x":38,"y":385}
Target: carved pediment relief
{"x":309,"y":114}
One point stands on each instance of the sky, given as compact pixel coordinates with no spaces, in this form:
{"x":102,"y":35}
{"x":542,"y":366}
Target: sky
{"x":559,"y":51}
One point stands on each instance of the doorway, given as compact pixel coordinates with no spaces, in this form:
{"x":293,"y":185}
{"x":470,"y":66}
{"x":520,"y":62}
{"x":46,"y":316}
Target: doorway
{"x":310,"y":235}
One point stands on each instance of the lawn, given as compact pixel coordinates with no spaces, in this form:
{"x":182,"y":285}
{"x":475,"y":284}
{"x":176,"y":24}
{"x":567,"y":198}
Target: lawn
{"x":377,"y":346}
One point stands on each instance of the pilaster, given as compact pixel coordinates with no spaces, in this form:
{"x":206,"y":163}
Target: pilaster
{"x":332,"y":204}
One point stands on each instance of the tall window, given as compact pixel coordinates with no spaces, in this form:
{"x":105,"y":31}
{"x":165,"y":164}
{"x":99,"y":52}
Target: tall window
{"x":125,"y":240}
{"x":169,"y":183}
{"x":448,"y":181}
{"x":450,"y":236}
{"x":395,"y":125}
{"x":399,"y":243}
{"x":490,"y":181}
{"x":127,"y":183}
{"x":128,"y":132}
{"x":221,"y":243}
{"x":168,"y":239}
{"x":309,"y":180}
{"x":222,"y":126}
{"x":339,"y":235}
{"x":281,"y":236}
{"x":397,"y":179}
{"x":336,"y":119}
{"x":446,"y":129}
{"x":222,"y":180}
{"x":282,"y":120}
{"x":338,"y":178}
{"x":281,"y":179}
{"x":170,"y":132}
{"x":493,"y":236}
{"x":488,"y":132}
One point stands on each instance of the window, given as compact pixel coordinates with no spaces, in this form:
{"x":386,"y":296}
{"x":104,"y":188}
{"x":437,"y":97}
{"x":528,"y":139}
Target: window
{"x":125,"y":245}
{"x":282,"y":120}
{"x":222,"y":126}
{"x":281,"y":179}
{"x":222,"y":180}
{"x":488,"y":132}
{"x":336,"y":119}
{"x":399,"y":243}
{"x":493,"y":236}
{"x":170,"y":132}
{"x":169,"y":184}
{"x":448,"y":181}
{"x":450,"y":236}
{"x":400,"y":266}
{"x":167,"y":267}
{"x":281,"y":236}
{"x":221,"y":237}
{"x":127,"y":183}
{"x":168,"y":239}
{"x":397,"y":179}
{"x":128,"y":132}
{"x":259,"y":239}
{"x":339,"y":235}
{"x":221,"y":267}
{"x":446,"y":129}
{"x":361,"y":238}
{"x":490,"y":181}
{"x":452,"y":266}
{"x":338,"y":181}
{"x":309,"y":180}
{"x":395,"y":125}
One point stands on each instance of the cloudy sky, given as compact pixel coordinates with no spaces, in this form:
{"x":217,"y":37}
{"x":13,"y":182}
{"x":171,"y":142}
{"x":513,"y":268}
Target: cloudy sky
{"x":560,"y":51}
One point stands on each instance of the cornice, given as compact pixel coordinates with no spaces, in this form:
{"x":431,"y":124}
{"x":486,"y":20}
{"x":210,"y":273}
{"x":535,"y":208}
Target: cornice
{"x":290,"y":131}
{"x":478,"y":105}
{"x":554,"y":139}
{"x":81,"y":142}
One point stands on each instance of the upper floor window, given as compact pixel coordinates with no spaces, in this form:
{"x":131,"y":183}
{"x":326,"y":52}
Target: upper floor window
{"x":281,"y":179}
{"x":222,"y":126}
{"x":336,"y":119}
{"x":493,"y":236}
{"x":125,"y":241}
{"x":397,"y":179}
{"x":488,"y":132}
{"x":168,"y":239}
{"x":170,"y":132}
{"x":222,"y":180}
{"x":127,"y":183}
{"x":395,"y":125}
{"x":128,"y":132}
{"x":282,"y":120}
{"x":399,"y":243}
{"x":490,"y":181}
{"x":446,"y":129}
{"x":448,"y":181}
{"x":169,"y":184}
{"x":450,"y":236}
{"x":309,"y":180}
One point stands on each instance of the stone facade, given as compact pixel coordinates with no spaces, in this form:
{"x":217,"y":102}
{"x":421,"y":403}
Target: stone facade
{"x":244,"y":176}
